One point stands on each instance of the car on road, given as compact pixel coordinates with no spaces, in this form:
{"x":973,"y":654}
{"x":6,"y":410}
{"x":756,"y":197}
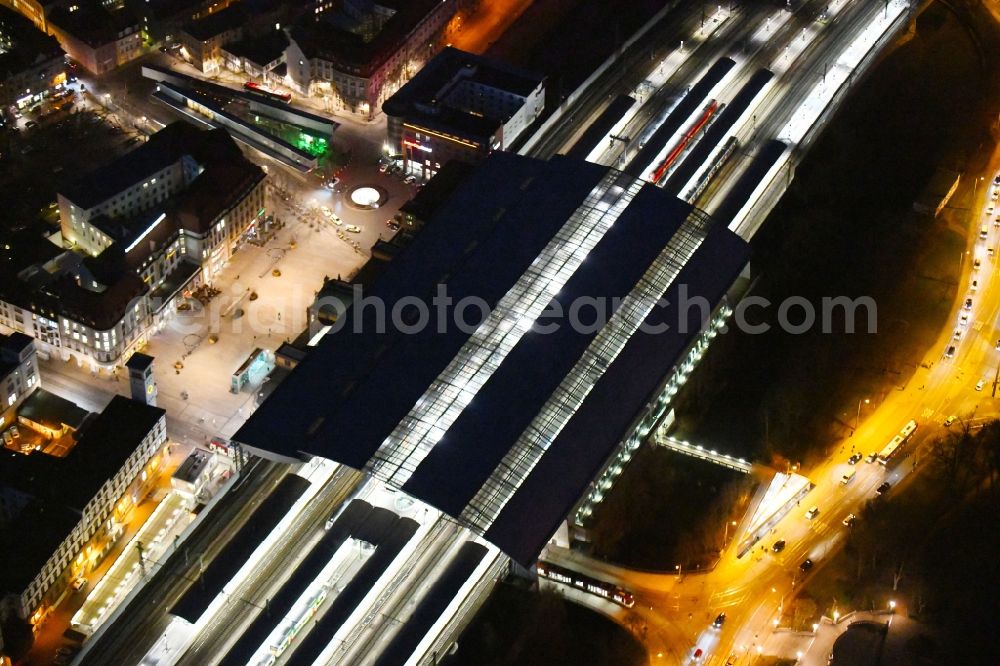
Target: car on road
{"x":883,"y":488}
{"x":871,"y":457}
{"x":812,"y":513}
{"x":8,"y":439}
{"x":720,"y":620}
{"x":329,"y":522}
{"x":975,"y":285}
{"x":855,"y":459}
{"x":990,"y":252}
{"x":778,"y":546}
{"x":393,"y":225}
{"x":326,"y":211}
{"x":383,"y":168}
{"x":964,"y":319}
{"x":968,"y":304}
{"x":847,"y":478}
{"x":409,"y":180}
{"x":976,"y":264}
{"x":353,"y":228}
{"x":850,"y":520}
{"x":806,"y":565}
{"x":980,"y":384}
{"x":79,"y":583}
{"x":948,"y":421}
{"x":66,"y":651}
{"x":31,"y":124}
{"x":950,"y":351}
{"x":998,"y":345}
{"x":957,"y":335}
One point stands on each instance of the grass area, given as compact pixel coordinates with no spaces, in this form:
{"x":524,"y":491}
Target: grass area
{"x":520,"y":627}
{"x":666,"y":509}
{"x":846,"y":228}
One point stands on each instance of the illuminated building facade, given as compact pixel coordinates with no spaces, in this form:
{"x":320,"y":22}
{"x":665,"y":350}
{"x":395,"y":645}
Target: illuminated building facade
{"x":67,"y":512}
{"x":31,"y":62}
{"x":356,"y":53}
{"x":136,"y":233}
{"x":461,"y":107}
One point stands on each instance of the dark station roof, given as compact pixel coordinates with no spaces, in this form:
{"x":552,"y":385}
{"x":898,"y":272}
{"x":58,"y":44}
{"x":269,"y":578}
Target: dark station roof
{"x":479,"y":243}
{"x":358,"y":384}
{"x":549,"y":492}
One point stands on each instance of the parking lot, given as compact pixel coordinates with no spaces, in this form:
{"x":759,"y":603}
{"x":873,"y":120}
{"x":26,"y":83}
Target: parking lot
{"x":40,"y":160}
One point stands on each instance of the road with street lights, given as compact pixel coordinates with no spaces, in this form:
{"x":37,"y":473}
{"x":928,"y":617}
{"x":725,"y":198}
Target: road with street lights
{"x":754,"y":590}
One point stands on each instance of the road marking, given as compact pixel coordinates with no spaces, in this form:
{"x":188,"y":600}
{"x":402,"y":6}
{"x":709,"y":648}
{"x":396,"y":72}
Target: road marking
{"x":927,"y":413}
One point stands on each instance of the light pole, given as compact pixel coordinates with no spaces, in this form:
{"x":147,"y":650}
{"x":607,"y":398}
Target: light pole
{"x":975,"y":185}
{"x":678,"y":568}
{"x":857,"y":419}
{"x":725,"y":536}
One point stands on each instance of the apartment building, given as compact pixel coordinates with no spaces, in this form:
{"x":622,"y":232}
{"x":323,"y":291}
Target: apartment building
{"x":135,"y":233}
{"x":18,"y":374}
{"x":356,"y":53}
{"x":461,"y":106}
{"x":69,"y":510}
{"x":31,"y":62}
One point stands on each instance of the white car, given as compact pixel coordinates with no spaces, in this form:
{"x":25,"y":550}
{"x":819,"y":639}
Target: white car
{"x":354,"y":229}
{"x":980,"y":384}
{"x":326,"y":211}
{"x":812,"y":513}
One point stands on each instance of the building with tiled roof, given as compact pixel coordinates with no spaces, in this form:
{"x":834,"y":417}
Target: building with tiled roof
{"x":140,"y":230}
{"x":98,"y":38}
{"x":31,"y":62}
{"x":358,"y":52}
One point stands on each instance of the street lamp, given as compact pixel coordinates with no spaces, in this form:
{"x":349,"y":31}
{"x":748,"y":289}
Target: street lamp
{"x":725,"y":536}
{"x":892,"y":605}
{"x":857,"y":419}
{"x":678,"y":568}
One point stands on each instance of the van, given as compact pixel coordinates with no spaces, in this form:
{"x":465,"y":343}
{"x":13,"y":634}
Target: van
{"x":847,"y":478}
{"x":950,"y":352}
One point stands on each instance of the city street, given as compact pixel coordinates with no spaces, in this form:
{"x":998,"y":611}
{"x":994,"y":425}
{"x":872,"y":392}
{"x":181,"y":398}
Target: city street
{"x":754,"y":590}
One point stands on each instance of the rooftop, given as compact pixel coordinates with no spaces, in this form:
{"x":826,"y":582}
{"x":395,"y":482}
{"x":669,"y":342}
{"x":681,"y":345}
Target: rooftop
{"x":11,"y":348}
{"x":262,"y":49}
{"x":432,"y":97}
{"x":24,"y":45}
{"x":163,"y":149}
{"x":337,"y":38}
{"x":93,"y":24}
{"x":61,"y":487}
{"x":508,"y":446}
{"x":52,"y":410}
{"x":217,"y":23}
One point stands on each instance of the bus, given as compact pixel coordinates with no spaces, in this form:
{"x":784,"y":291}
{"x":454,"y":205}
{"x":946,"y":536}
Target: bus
{"x":897,"y":443}
{"x":609,"y":591}
{"x":258,"y":89}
